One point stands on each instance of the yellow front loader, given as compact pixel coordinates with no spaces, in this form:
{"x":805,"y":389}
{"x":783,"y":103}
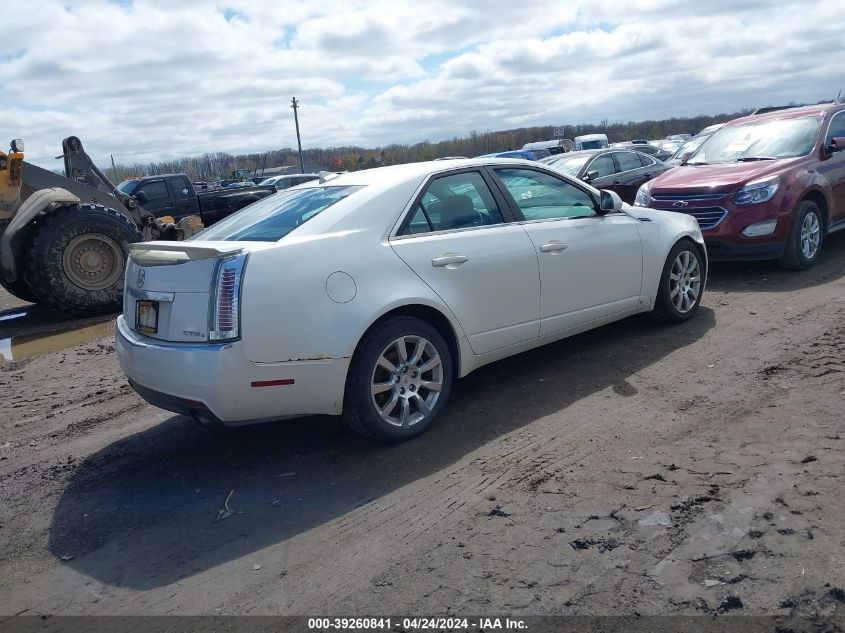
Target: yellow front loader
{"x":63,"y":238}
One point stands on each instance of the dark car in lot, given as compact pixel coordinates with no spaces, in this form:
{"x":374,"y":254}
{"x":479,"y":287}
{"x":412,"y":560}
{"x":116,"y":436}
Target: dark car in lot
{"x":767,"y":186}
{"x":174,"y":195}
{"x":616,"y":169}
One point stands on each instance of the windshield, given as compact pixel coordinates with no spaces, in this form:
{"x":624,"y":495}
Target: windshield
{"x":689,"y":147}
{"x":269,"y":220}
{"x":779,"y":138}
{"x":268,"y":181}
{"x":127,"y":186}
{"x":570,"y":165}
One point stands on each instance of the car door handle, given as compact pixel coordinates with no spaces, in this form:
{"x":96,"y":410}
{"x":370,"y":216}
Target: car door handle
{"x":553,"y":247}
{"x":617,"y":182}
{"x":646,"y":175}
{"x":451,"y":260}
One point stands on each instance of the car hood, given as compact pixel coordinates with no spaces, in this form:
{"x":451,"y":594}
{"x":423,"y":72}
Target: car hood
{"x":723,"y":177}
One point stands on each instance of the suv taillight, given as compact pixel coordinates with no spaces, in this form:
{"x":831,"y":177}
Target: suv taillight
{"x":225,"y":310}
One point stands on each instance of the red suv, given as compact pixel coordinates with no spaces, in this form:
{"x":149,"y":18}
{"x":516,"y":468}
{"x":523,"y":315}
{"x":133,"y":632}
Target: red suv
{"x":767,"y":186}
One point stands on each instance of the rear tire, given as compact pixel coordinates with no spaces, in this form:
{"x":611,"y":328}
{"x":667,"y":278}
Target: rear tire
{"x":79,"y":258}
{"x":805,"y":238}
{"x":399,"y":380}
{"x":681,"y":284}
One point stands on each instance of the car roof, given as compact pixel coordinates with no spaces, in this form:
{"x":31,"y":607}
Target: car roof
{"x":791,"y":113}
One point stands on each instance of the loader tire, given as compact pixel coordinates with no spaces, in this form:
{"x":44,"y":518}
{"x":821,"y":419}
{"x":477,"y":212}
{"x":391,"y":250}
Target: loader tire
{"x":20,"y":289}
{"x":78,"y":259}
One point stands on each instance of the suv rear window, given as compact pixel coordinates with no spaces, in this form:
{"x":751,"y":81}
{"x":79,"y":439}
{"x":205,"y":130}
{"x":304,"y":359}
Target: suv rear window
{"x":270,"y":219}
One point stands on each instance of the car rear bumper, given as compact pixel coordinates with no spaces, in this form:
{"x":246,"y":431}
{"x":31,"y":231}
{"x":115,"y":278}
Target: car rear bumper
{"x":216,"y":382}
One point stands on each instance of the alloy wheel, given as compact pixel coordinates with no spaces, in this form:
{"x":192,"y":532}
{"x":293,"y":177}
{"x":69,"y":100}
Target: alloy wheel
{"x":810,"y":235}
{"x":685,"y":281}
{"x":406,"y":381}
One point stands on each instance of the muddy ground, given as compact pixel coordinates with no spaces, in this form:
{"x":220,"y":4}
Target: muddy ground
{"x":695,"y":469}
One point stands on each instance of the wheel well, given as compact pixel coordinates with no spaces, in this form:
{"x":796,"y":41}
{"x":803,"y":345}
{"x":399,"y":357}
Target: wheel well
{"x":821,"y":203}
{"x":435,"y":318}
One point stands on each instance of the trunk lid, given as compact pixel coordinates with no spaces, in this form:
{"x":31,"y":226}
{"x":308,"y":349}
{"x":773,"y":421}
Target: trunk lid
{"x":169,"y":287}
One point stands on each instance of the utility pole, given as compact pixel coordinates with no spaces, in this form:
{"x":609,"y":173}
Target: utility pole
{"x":295,"y":106}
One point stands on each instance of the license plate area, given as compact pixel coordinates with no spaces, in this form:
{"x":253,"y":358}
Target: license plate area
{"x":146,"y":316}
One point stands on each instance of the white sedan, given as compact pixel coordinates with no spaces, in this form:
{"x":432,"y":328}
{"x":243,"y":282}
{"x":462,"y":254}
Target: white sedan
{"x":367,"y":294}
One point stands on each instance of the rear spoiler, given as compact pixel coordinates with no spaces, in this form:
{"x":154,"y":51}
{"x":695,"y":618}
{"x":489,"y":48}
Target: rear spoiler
{"x":163,"y":253}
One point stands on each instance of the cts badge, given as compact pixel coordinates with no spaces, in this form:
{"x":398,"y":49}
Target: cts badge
{"x":142,"y":276}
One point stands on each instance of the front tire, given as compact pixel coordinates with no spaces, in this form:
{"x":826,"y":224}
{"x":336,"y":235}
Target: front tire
{"x":681,"y":284}
{"x":805,"y":238}
{"x":399,"y":380}
{"x":79,"y":257}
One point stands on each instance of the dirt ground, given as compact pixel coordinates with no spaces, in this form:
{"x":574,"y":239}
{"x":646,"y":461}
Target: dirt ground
{"x":634,"y":469}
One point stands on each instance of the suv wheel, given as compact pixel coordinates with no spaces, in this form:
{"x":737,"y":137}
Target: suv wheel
{"x":805,"y":237}
{"x":399,"y":380}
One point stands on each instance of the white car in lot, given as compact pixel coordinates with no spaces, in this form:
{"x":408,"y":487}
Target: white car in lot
{"x":367,"y":294}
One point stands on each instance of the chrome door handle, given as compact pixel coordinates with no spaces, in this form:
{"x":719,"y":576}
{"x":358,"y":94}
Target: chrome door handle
{"x":553,"y":247}
{"x":446,"y":261}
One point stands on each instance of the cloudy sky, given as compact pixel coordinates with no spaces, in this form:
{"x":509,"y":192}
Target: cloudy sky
{"x":147,"y":79}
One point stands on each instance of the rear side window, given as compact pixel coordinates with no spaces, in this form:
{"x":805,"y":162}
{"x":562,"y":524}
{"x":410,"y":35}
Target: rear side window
{"x":270,"y":219}
{"x":628,"y":161}
{"x":646,"y":161}
{"x":180,"y":188}
{"x":458,"y":201}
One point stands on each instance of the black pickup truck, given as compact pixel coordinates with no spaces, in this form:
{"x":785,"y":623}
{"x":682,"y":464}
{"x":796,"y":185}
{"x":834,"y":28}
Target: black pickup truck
{"x":174,"y":195}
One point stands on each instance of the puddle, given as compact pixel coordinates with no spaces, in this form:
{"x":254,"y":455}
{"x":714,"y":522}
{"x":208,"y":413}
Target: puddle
{"x":28,"y":345}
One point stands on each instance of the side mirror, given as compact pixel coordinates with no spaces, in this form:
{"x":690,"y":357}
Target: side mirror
{"x":590,"y":175}
{"x":610,"y":201}
{"x":141,"y":197}
{"x":17,"y":145}
{"x":837,"y":144}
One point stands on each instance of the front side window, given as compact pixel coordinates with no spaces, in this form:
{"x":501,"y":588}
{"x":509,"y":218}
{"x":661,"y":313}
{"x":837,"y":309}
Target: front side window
{"x":458,"y":201}
{"x":544,"y":197}
{"x":270,"y":219}
{"x":153,"y":190}
{"x":837,"y":127}
{"x":604,"y":165}
{"x":759,"y":140}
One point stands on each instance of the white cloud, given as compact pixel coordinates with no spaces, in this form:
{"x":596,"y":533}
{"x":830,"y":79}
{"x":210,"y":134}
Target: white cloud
{"x":156,"y":79}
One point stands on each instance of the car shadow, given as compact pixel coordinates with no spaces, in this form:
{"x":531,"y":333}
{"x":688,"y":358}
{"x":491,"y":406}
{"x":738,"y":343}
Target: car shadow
{"x":142,"y":511}
{"x":768,"y":276}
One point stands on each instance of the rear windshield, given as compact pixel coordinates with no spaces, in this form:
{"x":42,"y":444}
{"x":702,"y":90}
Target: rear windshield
{"x":270,"y":219}
{"x":759,"y":140}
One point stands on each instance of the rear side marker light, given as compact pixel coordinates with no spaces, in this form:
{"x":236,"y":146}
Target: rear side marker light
{"x":272,"y":383}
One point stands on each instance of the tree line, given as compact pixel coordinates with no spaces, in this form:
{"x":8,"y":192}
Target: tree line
{"x":212,"y":166}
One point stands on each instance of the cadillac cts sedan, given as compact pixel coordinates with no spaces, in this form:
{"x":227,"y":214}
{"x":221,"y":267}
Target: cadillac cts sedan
{"x":367,"y":294}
